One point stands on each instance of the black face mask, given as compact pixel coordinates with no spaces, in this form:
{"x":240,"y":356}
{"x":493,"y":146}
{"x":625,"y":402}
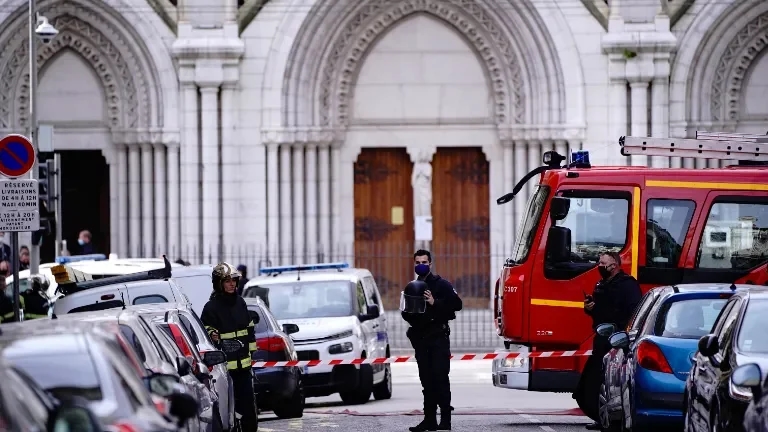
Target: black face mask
{"x":604,"y":272}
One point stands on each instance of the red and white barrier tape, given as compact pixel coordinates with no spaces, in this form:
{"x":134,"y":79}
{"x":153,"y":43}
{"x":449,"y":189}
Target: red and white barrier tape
{"x":406,"y":359}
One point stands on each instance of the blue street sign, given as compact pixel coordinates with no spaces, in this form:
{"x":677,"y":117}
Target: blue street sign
{"x":17,"y":156}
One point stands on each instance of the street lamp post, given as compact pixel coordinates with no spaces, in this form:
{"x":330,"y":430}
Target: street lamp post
{"x":39,"y":28}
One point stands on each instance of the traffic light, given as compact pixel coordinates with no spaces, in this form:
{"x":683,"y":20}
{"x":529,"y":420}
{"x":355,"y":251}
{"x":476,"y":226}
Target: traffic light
{"x":47,"y":189}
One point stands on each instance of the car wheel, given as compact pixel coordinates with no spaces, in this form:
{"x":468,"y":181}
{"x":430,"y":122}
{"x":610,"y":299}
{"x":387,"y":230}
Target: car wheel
{"x":362,"y":393}
{"x":383,"y":390}
{"x":293,"y":407}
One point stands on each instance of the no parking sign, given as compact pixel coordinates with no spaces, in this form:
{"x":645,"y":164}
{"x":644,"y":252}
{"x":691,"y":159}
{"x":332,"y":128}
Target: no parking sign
{"x":18,"y":198}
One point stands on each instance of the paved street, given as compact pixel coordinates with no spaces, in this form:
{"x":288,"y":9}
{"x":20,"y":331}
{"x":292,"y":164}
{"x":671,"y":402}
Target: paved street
{"x":478,"y":407}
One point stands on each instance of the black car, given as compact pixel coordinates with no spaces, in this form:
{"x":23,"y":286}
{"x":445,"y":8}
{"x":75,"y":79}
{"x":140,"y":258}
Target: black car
{"x":81,"y":361}
{"x":24,"y":406}
{"x":712,"y":401}
{"x":277,"y":387}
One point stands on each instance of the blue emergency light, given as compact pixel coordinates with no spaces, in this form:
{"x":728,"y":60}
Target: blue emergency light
{"x":303,"y":267}
{"x":580,"y":158}
{"x":71,"y":259}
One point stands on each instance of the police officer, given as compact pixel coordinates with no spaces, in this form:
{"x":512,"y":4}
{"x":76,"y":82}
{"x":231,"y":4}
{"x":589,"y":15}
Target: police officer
{"x":427,"y":304}
{"x":35,"y":300}
{"x":613,"y":301}
{"x":229,"y":325}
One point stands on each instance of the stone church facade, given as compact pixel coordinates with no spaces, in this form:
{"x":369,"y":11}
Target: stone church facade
{"x":309,"y":129}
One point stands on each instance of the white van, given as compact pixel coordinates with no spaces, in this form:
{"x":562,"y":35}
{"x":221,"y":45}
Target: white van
{"x":340,"y":316}
{"x":144,"y":287}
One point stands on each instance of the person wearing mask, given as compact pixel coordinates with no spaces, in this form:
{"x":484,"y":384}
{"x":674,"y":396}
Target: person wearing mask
{"x":23,"y":258}
{"x":35,"y":300}
{"x":229,"y":324}
{"x":243,"y":278}
{"x":613,"y":301}
{"x":84,"y":241}
{"x":427,"y":304}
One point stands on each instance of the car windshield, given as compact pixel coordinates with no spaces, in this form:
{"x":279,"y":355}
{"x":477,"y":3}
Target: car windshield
{"x":530,"y":224}
{"x":752,"y":335}
{"x":688,"y":319}
{"x":302,"y":299}
{"x":73,"y":375}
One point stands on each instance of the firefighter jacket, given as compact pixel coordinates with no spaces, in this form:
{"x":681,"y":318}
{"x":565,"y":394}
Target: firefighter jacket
{"x":35,"y":305}
{"x":228,"y":316}
{"x":6,"y":308}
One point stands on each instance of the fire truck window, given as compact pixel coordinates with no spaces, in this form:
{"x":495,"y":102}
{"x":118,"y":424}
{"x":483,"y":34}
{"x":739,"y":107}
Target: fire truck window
{"x":735,"y":237}
{"x":530,"y":224}
{"x":597,"y":225}
{"x":666,"y":226}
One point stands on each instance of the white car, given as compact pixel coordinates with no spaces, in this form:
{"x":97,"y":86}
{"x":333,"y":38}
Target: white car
{"x":340,"y":316}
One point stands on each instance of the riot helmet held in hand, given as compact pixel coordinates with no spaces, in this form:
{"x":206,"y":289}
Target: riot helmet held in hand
{"x":412,"y":297}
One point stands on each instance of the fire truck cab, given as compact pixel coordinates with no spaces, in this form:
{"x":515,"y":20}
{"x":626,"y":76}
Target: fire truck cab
{"x":670,"y":226}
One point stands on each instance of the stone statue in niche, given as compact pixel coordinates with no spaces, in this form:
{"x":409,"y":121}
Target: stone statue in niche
{"x":421,"y":181}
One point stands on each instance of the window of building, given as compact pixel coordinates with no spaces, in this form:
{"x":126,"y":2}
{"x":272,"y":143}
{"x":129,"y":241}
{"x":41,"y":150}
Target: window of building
{"x":666,"y":226}
{"x":735,"y":236}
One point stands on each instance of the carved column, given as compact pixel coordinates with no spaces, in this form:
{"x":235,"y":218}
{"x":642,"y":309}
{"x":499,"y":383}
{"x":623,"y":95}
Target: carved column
{"x":299,"y":234}
{"x":230,"y":170}
{"x":521,"y":168}
{"x":273,"y":202}
{"x":114,"y":198}
{"x":509,"y":182}
{"x":421,"y":182}
{"x":134,"y":178}
{"x":310,"y":189}
{"x":336,"y":179}
{"x":210,"y":168}
{"x":639,"y":93}
{"x":286,"y":225}
{"x":189,"y":247}
{"x":617,"y":107}
{"x":147,"y":204}
{"x":324,"y":198}
{"x":122,"y":183}
{"x":161,"y":202}
{"x":174,"y":214}
{"x":660,"y":104}
{"x":534,"y":160}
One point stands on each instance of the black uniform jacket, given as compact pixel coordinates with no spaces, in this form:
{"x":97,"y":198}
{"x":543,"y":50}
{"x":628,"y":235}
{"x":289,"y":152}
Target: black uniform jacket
{"x":615,"y":302}
{"x":228,"y":316}
{"x":35,"y":305}
{"x":436,"y":316}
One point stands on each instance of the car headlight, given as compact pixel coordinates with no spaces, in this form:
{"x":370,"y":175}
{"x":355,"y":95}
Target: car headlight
{"x":739,"y":393}
{"x":341,"y":348}
{"x":341,"y":335}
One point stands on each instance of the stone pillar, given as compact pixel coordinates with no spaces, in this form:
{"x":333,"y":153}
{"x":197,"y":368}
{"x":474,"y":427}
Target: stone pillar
{"x":230,"y":174}
{"x":421,"y":182}
{"x":561,"y":147}
{"x":189,"y":247}
{"x":337,"y":239}
{"x":534,"y":160}
{"x":286,"y":232}
{"x":521,"y":165}
{"x":299,"y":233}
{"x":147,"y":204}
{"x":639,"y":93}
{"x":324,"y":199}
{"x":660,"y":103}
{"x":210,"y":169}
{"x":161,"y":202}
{"x":510,"y":179}
{"x":273,"y":203}
{"x":110,"y":155}
{"x":122,"y":180}
{"x":134,"y":179}
{"x":617,"y":107}
{"x":310,"y":189}
{"x":174,"y":213}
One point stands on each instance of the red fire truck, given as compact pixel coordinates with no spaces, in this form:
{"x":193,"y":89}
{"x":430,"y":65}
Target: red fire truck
{"x":670,"y":226}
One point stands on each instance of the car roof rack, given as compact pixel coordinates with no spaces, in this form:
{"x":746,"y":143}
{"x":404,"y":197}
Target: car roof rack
{"x":710,"y":145}
{"x":76,"y":286}
{"x":303,"y":267}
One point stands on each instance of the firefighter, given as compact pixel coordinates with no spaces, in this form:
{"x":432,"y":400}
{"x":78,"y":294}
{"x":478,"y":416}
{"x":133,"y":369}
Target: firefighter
{"x":6,"y":304}
{"x":229,"y":325}
{"x":427,"y":304}
{"x":613,"y":301}
{"x":35,"y":300}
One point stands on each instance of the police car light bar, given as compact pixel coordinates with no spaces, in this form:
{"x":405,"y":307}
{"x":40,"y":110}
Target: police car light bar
{"x":304,"y":267}
{"x":71,"y":259}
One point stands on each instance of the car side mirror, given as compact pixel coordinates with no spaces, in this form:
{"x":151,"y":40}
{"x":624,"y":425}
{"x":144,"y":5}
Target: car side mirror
{"x":183,"y":407}
{"x":558,"y":247}
{"x":183,"y":367}
{"x":290,"y":329}
{"x":749,"y":376}
{"x":708,"y":345}
{"x":559,"y":207}
{"x":606,"y":330}
{"x":162,"y":385}
{"x":213,"y":358}
{"x":73,"y":416}
{"x":372,"y":312}
{"x":619,"y":340}
{"x":254,"y":316}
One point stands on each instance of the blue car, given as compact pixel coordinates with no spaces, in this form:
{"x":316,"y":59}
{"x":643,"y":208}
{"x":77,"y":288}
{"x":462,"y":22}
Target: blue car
{"x":645,"y":372}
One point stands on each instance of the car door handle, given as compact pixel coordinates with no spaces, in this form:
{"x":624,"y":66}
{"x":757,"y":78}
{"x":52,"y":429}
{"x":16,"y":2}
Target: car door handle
{"x":375,"y":326}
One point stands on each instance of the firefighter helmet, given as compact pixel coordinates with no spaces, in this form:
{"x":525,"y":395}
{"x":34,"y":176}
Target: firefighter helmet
{"x":222,"y":272}
{"x":39,"y":283}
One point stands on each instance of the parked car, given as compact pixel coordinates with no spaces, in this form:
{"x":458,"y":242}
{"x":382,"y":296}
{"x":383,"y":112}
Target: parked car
{"x":278,"y":388}
{"x":81,"y":361}
{"x":183,"y":315}
{"x":645,"y":373}
{"x":340,"y":316}
{"x":195,"y":283}
{"x":145,"y":344}
{"x":712,"y":401}
{"x":24,"y":406}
